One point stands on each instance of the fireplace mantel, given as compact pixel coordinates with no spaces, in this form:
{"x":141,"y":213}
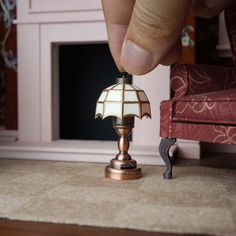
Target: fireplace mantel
{"x":42,"y":26}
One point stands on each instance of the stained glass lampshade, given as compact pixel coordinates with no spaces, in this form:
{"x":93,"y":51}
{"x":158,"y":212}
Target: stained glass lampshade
{"x":122,"y":100}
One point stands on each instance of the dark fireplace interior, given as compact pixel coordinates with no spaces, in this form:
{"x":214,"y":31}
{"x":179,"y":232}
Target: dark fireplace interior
{"x":84,"y":71}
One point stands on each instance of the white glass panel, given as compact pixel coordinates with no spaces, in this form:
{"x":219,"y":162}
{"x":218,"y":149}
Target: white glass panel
{"x":146,"y":109}
{"x":131,"y":109}
{"x":102,"y":96}
{"x":142,"y":96}
{"x":119,"y":86}
{"x":128,"y":87}
{"x":131,"y":96}
{"x":114,"y":95}
{"x":112,"y":109}
{"x":99,"y":108}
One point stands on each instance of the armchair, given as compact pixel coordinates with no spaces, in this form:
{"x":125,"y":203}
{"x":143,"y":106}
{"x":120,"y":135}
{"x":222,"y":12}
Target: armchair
{"x":203,"y":104}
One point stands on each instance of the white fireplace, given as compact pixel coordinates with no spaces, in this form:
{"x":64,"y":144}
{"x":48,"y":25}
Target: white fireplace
{"x":41,"y":27}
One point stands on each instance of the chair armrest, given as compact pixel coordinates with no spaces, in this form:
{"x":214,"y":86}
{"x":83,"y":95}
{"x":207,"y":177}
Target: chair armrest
{"x":194,"y":79}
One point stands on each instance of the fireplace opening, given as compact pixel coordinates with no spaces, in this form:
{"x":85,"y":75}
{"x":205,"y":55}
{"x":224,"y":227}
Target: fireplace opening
{"x":84,"y":71}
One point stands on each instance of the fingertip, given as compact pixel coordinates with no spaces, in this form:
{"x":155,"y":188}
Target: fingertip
{"x":135,"y":59}
{"x":116,"y":34}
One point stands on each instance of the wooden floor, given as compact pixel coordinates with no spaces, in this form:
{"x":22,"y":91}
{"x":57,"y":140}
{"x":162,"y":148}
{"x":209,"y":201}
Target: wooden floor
{"x":24,"y":228}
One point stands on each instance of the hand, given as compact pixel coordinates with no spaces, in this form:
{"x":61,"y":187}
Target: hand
{"x":145,"y":33}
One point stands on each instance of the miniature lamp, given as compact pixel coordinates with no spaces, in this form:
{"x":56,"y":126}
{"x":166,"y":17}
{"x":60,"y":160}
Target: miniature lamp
{"x":123,"y":101}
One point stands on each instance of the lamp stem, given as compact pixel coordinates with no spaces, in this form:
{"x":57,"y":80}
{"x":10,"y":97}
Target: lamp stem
{"x":123,"y":143}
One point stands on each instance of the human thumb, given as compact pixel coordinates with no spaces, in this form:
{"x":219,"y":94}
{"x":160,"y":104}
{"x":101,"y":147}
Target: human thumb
{"x":153,"y":31}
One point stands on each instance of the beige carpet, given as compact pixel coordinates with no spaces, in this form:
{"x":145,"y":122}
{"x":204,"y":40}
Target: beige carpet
{"x":198,"y":200}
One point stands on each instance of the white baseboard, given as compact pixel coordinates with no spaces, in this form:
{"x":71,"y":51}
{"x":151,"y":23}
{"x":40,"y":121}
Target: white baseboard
{"x":84,"y":151}
{"x":92,"y":151}
{"x":188,"y":149}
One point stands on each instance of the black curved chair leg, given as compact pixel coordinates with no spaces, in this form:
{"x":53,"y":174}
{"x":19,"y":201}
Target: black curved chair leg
{"x":164,"y":147}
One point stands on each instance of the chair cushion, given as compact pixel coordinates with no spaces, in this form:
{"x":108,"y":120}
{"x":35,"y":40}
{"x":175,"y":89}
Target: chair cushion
{"x":217,"y":107}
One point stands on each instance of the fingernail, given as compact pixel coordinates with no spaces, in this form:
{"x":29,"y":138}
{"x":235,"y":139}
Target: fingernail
{"x":135,"y":59}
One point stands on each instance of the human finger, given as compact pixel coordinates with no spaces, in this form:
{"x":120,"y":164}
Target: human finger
{"x":154,"y":29}
{"x":117,"y":16}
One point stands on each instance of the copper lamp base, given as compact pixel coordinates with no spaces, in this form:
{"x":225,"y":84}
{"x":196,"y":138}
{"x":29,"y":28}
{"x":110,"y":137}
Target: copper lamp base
{"x":125,"y":174}
{"x":123,"y":167}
